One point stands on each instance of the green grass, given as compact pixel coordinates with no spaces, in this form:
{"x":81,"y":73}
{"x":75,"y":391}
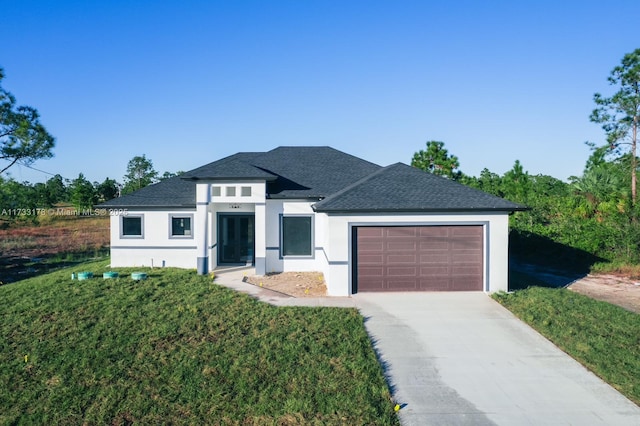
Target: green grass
{"x":178,"y":348}
{"x":603,"y":337}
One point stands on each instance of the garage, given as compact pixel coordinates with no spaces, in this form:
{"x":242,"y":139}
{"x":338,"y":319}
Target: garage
{"x":418,"y":258}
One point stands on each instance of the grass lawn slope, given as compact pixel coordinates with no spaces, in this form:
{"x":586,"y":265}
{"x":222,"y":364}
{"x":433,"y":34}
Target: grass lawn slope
{"x":603,"y":337}
{"x":178,"y":348}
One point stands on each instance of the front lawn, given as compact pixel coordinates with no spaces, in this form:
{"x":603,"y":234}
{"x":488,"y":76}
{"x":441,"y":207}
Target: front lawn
{"x":178,"y":348}
{"x":603,"y":337}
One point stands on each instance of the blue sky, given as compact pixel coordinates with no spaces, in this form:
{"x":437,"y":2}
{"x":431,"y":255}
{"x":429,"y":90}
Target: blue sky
{"x":189,"y":82}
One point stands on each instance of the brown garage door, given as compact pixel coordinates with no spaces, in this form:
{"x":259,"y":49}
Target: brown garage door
{"x":418,"y":258}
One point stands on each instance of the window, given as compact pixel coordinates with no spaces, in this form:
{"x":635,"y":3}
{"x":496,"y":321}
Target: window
{"x":296,"y":236}
{"x":181,"y":226}
{"x":231,"y":191}
{"x":215,"y":191}
{"x":131,"y":226}
{"x":245,"y":191}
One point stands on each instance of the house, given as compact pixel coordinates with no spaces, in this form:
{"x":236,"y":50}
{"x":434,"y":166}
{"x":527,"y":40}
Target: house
{"x":366,"y":227}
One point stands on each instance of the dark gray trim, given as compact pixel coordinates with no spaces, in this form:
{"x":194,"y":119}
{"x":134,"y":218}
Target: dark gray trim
{"x":394,"y":211}
{"x":203,"y":265}
{"x":338,"y":262}
{"x":281,"y":216}
{"x":272,"y":248}
{"x":260,"y":265}
{"x":202,"y":203}
{"x":154,"y":247}
{"x":132,"y":237}
{"x":180,"y":215}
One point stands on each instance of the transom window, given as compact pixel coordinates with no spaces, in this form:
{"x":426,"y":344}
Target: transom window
{"x":296,"y":236}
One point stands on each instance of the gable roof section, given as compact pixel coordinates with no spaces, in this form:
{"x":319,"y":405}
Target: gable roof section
{"x":290,"y":172}
{"x":237,"y":166}
{"x":311,"y":172}
{"x":402,"y":188}
{"x":172,"y":192}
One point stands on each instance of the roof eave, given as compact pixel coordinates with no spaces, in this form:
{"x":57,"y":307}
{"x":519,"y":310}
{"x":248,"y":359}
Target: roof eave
{"x":230,"y":178}
{"x":409,"y":210}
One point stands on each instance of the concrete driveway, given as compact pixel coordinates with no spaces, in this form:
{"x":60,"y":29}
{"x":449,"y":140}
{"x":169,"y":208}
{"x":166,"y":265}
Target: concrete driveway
{"x":462,"y":359}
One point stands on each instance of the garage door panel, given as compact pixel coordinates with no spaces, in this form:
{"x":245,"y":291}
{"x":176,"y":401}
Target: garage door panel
{"x":374,"y":246}
{"x":434,"y":244}
{"x":400,"y":232}
{"x":433,"y":231}
{"x":370,"y":231}
{"x":434,"y":284}
{"x":427,"y":258}
{"x":435,"y":271}
{"x":400,"y":245}
{"x":368,"y":259}
{"x":401,"y":271}
{"x":465,"y":284}
{"x":371,"y":271}
{"x":402,"y":258}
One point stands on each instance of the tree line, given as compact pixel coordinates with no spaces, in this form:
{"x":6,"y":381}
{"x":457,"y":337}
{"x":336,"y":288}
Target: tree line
{"x":79,"y":192}
{"x":596,"y":213}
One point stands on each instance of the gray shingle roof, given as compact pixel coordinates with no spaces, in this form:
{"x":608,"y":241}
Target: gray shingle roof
{"x":173,"y":192}
{"x":344,"y":183}
{"x":237,"y":166}
{"x":402,"y":188}
{"x":311,"y":172}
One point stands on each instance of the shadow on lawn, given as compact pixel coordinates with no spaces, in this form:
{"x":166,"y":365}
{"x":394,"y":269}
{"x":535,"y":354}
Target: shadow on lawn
{"x":539,"y":261}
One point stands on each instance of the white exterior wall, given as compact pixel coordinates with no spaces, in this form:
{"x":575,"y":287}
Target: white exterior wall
{"x":274,"y":261}
{"x":339,"y":248}
{"x":156,"y":247}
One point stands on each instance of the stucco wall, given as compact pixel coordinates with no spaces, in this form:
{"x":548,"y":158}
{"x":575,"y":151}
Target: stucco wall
{"x":156,"y":246}
{"x":274,"y":260}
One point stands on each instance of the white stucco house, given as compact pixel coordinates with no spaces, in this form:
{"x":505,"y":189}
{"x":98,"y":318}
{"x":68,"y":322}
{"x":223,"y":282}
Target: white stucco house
{"x":366,"y":227}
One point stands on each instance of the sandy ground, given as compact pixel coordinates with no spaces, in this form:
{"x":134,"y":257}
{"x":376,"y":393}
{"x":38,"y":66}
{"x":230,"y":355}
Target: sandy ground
{"x":297,"y":284}
{"x":620,"y":291}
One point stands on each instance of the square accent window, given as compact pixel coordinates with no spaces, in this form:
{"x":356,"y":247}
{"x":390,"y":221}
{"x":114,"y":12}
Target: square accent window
{"x":231,"y":191}
{"x":132,"y":226}
{"x":296,"y":236}
{"x":181,"y":226}
{"x":215,"y":191}
{"x":245,"y":191}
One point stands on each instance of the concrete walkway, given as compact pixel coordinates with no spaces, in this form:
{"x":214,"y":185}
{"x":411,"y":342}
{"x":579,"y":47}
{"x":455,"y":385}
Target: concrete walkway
{"x":462,"y":359}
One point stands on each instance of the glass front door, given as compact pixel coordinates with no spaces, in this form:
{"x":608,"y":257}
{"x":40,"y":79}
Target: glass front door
{"x":235,"y":238}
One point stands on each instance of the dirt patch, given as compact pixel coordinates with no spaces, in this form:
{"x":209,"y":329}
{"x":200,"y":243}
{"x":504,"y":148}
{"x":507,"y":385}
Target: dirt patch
{"x":27,"y":250}
{"x":296,"y":284}
{"x":620,"y":291}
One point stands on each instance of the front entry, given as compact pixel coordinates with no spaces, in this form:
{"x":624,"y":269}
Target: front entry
{"x":236,"y":238}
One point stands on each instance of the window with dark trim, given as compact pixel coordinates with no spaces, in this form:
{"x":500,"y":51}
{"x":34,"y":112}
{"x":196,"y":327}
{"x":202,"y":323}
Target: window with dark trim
{"x":131,"y":226}
{"x":181,"y":226}
{"x":296,"y":236}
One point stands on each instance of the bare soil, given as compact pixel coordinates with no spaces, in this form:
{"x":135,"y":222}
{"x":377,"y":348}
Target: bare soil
{"x":617,"y":290}
{"x":296,"y":284}
{"x":27,"y":250}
